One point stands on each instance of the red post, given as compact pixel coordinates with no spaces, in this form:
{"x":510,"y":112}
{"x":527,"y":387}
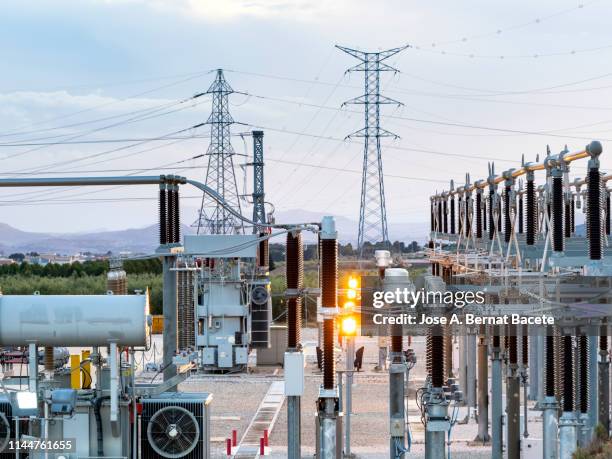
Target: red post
{"x":262,"y":447}
{"x":234,"y":437}
{"x":228,"y":447}
{"x":266,"y":439}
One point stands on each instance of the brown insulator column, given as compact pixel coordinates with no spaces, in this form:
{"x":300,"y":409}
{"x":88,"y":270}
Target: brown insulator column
{"x":163,"y":215}
{"x":594,"y":189}
{"x":329,"y":299}
{"x":295,"y":283}
{"x":176,"y":217}
{"x":436,"y":343}
{"x":452,"y":214}
{"x":558,"y":242}
{"x":48,"y":359}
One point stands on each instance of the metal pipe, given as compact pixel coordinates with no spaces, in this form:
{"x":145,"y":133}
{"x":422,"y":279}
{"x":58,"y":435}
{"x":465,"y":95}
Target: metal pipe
{"x":549,"y":404}
{"x":169,"y":307}
{"x":483,"y":389}
{"x":91,"y":181}
{"x":604,"y":379}
{"x":496,"y":397}
{"x":568,"y":438}
{"x":513,"y":396}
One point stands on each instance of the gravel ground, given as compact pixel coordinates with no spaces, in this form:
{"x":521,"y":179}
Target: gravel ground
{"x":237,"y":397}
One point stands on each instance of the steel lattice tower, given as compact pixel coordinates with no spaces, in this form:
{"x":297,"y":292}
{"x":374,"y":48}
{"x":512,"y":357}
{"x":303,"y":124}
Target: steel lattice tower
{"x":259,"y":212}
{"x":372,"y":212}
{"x":220,"y":175}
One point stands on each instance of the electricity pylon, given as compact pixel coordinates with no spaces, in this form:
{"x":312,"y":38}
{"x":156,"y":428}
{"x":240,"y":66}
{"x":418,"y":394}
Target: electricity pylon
{"x":220,"y":175}
{"x":372,"y":212}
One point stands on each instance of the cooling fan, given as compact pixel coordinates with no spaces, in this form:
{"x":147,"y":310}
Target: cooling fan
{"x":5,"y":432}
{"x":173,"y":432}
{"x":259,"y":295}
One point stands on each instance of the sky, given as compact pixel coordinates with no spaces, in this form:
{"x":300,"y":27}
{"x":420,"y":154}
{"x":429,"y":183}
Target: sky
{"x":98,"y":87}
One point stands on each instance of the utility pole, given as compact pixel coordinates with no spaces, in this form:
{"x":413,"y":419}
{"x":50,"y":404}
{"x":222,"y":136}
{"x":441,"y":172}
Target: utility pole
{"x":372,"y":211}
{"x":220,"y":175}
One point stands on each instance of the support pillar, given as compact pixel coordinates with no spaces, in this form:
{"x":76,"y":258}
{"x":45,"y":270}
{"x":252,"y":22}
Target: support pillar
{"x":496,"y":400}
{"x":483,"y":391}
{"x":169,"y":300}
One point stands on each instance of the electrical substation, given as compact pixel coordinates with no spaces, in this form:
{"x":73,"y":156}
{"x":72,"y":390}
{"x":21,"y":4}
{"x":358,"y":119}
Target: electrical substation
{"x":516,"y":365}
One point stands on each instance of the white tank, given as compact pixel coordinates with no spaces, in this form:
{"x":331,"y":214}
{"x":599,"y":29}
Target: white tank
{"x":74,"y":320}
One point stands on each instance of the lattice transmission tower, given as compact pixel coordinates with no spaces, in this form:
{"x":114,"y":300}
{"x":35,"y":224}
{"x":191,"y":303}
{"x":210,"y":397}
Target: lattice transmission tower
{"x":220,"y":174}
{"x":372,"y":212}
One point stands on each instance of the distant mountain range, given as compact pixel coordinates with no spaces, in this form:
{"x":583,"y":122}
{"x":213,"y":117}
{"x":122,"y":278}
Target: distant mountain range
{"x":145,"y":240}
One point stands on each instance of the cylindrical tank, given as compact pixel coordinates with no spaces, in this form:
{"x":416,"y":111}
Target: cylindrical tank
{"x":74,"y":320}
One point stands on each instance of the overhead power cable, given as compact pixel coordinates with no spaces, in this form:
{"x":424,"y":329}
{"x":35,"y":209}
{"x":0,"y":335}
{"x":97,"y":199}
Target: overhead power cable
{"x":107,"y":104}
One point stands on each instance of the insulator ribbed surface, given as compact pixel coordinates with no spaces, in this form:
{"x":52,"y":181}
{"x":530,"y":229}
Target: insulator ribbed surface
{"x":603,"y":338}
{"x":512,"y":344}
{"x":116,"y":282}
{"x":176,"y":217}
{"x":608,"y":213}
{"x":491,"y":216}
{"x":568,"y":374}
{"x":507,"y":219}
{"x":583,"y":384}
{"x":264,"y":252}
{"x":594,"y":228}
{"x":295,"y":281}
{"x":550,"y":365}
{"x":532,"y":221}
{"x":573,"y":213}
{"x":396,"y":339}
{"x":439,"y":225}
{"x":525,"y":346}
{"x":329,"y":299}
{"x":568,"y":220}
{"x":479,"y":215}
{"x":468,"y":217}
{"x":437,"y":357}
{"x":521,"y":214}
{"x":185,"y":313}
{"x":329,"y":363}
{"x":432,"y":217}
{"x":452,"y":215}
{"x":170,"y":215}
{"x":163,"y":218}
{"x":445,"y":216}
{"x":484,"y":214}
{"x":48,"y":359}
{"x":558,"y":240}
{"x":459,"y":217}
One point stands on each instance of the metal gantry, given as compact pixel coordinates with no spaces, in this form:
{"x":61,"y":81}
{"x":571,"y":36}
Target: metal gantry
{"x":220,"y":174}
{"x":259,"y":211}
{"x":372,"y":211}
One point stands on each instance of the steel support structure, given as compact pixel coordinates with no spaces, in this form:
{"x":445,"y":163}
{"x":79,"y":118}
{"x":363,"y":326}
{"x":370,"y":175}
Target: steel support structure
{"x":220,"y":175}
{"x":372,"y":211}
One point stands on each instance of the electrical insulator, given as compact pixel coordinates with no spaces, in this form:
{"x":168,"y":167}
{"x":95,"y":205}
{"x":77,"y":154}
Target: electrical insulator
{"x":452,"y":214}
{"x":568,"y":375}
{"x":594,"y":229}
{"x":532,"y":211}
{"x":491,"y":216}
{"x":557,"y":213}
{"x":295,"y":283}
{"x":520,"y":214}
{"x":479,"y":214}
{"x":507,"y":219}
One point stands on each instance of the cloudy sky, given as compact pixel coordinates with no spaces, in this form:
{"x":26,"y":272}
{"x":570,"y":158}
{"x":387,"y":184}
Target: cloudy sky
{"x":86,"y":85}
